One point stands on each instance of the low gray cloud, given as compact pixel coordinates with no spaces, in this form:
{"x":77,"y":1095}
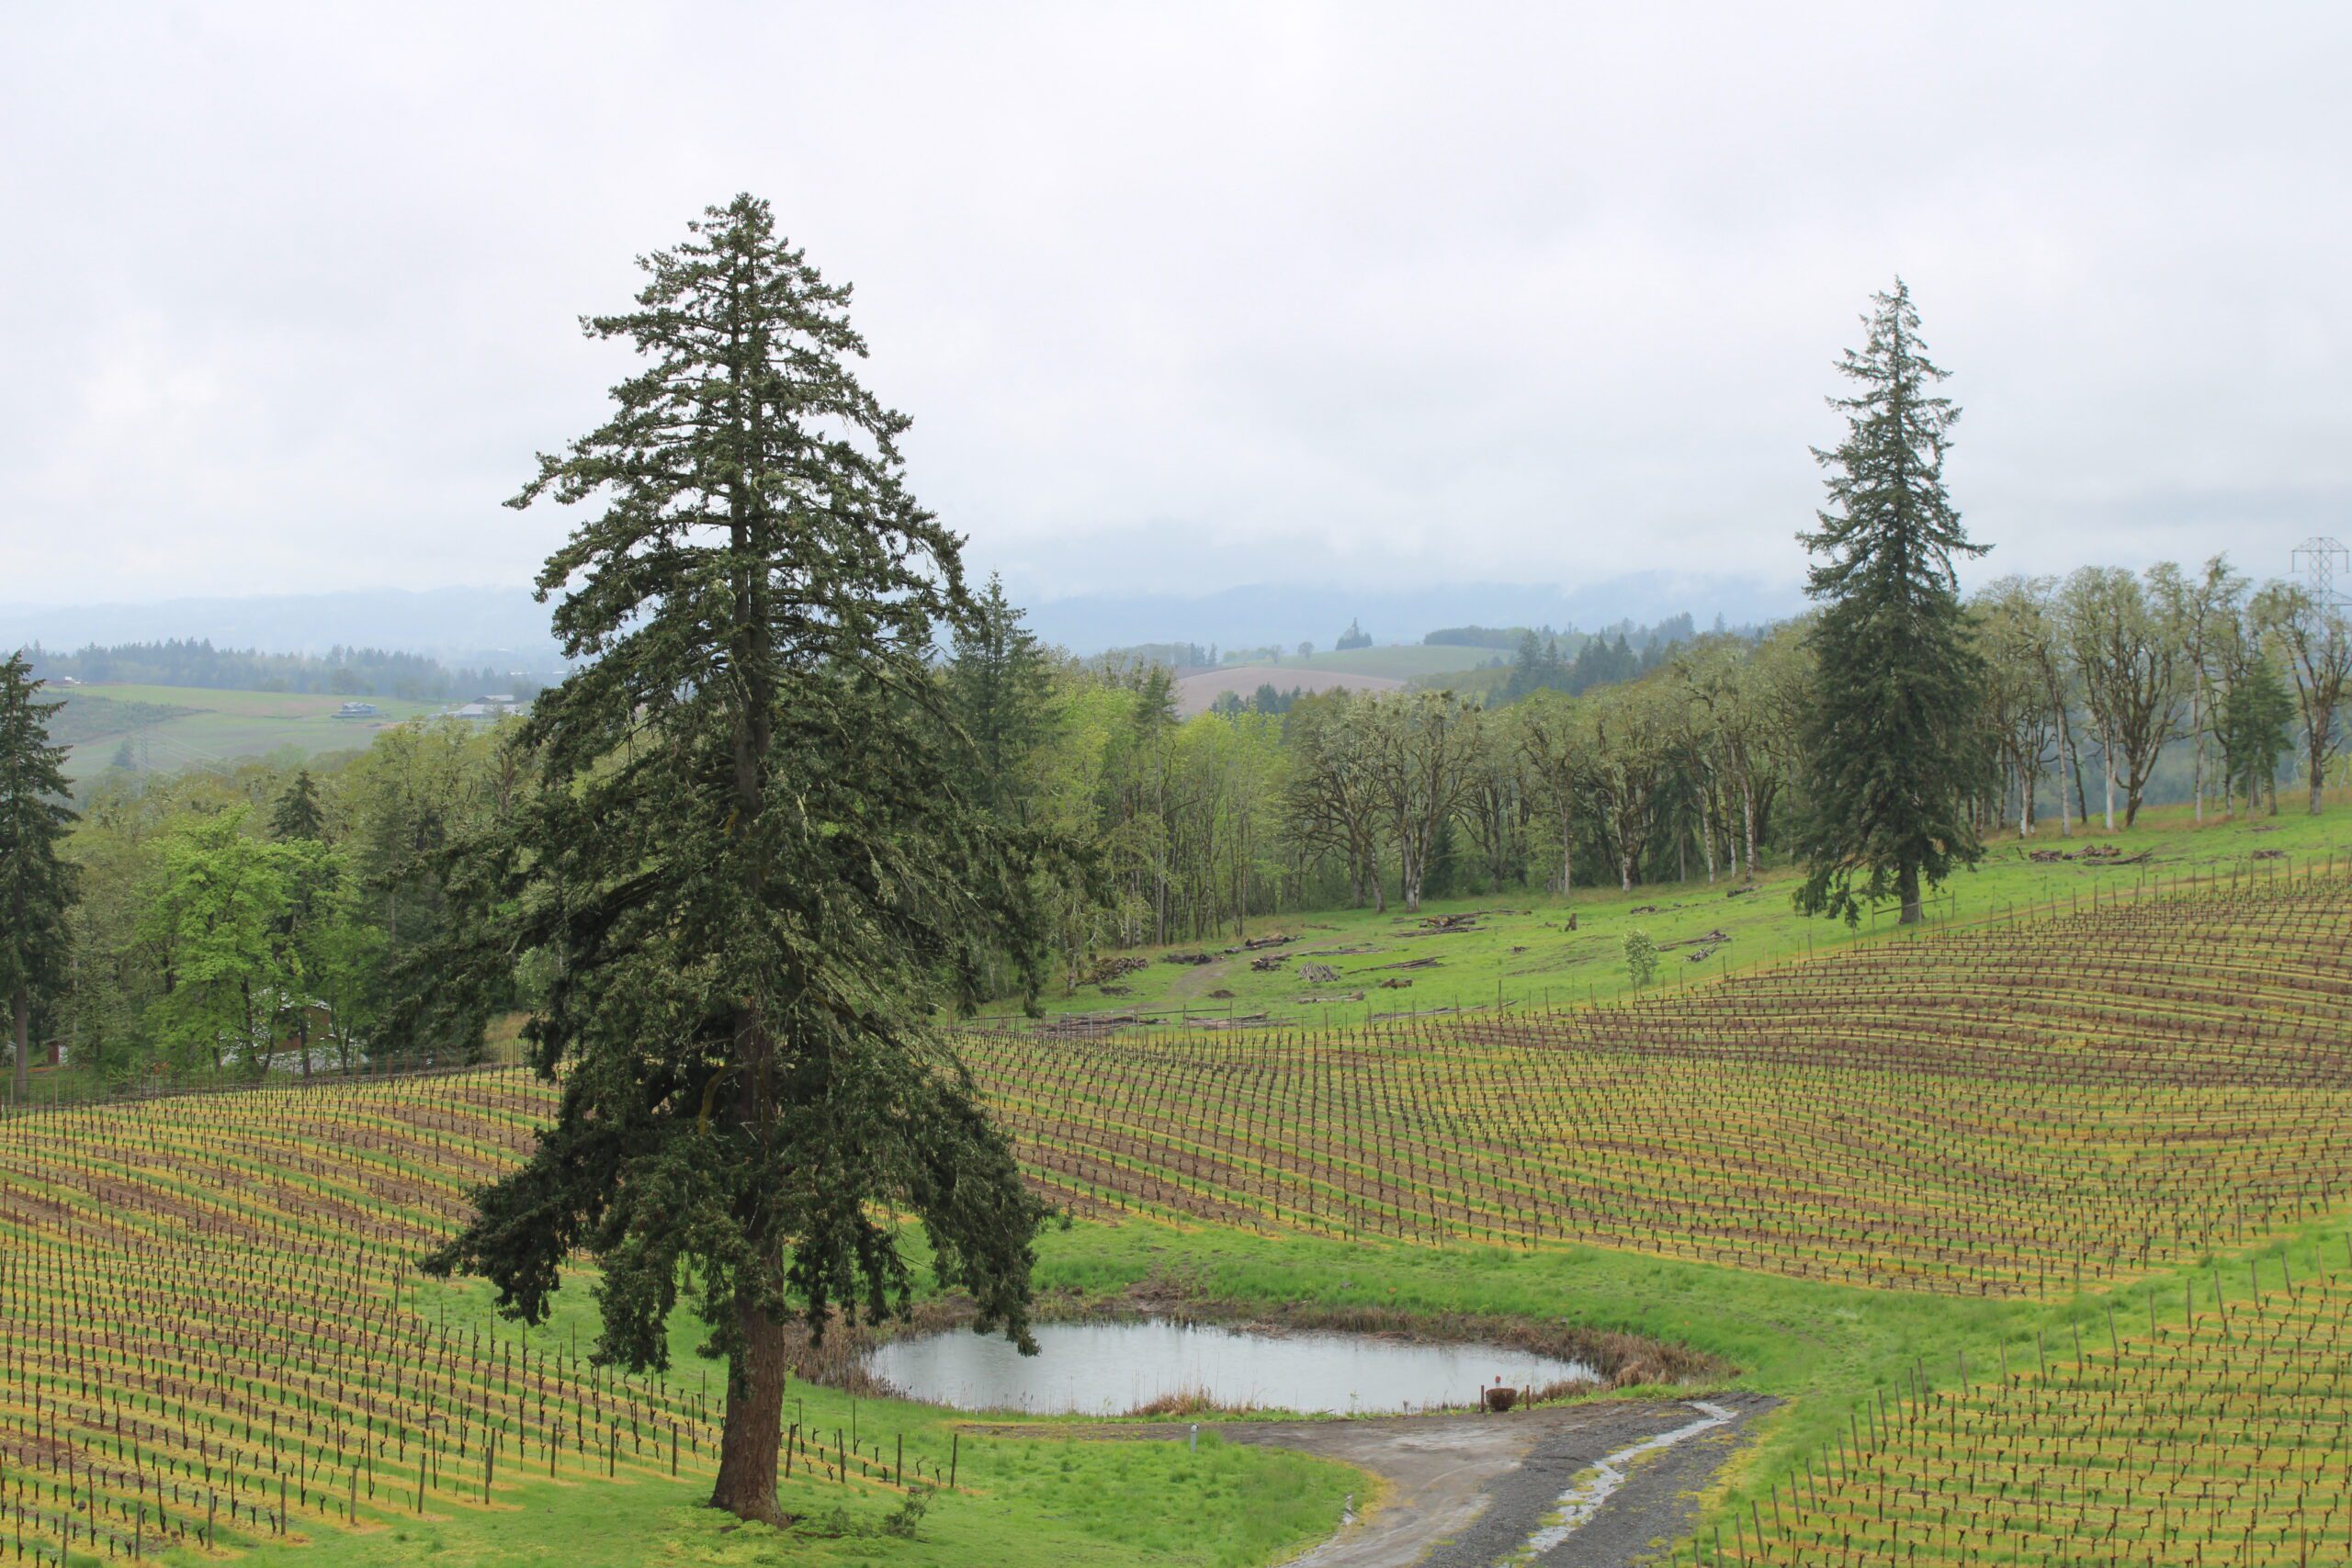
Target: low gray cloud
{"x":1181,"y":296}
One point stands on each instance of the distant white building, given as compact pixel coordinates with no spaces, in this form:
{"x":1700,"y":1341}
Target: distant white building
{"x":355,"y":710}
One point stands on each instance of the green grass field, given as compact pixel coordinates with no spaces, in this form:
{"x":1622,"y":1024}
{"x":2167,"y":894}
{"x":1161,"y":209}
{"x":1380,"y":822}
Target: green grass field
{"x":1518,"y":951}
{"x":209,"y":726}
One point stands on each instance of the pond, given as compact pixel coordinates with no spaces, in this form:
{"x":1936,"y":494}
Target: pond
{"x":1111,"y":1369}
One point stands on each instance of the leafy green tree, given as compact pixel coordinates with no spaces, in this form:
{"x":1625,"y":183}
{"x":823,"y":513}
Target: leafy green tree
{"x":2125,"y":637}
{"x":1641,"y":959}
{"x":2257,"y":713}
{"x":2314,"y":640}
{"x":324,"y":951}
{"x":1422,"y":749}
{"x":216,"y":919}
{"x":1892,"y":747}
{"x":1631,"y":745}
{"x":1553,"y":735}
{"x":1330,"y":800}
{"x":2012,"y":630}
{"x":36,"y":883}
{"x":757,"y":871}
{"x":299,"y":813}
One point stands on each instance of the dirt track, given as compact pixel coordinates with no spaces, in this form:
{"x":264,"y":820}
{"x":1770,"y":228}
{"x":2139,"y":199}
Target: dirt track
{"x":1467,"y":1491}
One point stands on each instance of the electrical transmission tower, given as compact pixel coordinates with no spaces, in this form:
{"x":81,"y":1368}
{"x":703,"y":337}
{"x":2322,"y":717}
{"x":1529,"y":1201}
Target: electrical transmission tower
{"x":2325,"y":568}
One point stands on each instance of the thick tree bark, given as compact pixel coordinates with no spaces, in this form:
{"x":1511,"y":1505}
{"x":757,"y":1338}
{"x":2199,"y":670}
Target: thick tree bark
{"x":2197,"y":728}
{"x":2107,"y":765}
{"x":1707,"y":830}
{"x":2065,"y":761}
{"x":1907,"y":888}
{"x":21,"y":1005}
{"x":754,"y":1432}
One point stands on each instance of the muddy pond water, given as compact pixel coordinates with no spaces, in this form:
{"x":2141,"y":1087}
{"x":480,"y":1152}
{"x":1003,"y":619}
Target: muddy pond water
{"x":1109,"y":1369}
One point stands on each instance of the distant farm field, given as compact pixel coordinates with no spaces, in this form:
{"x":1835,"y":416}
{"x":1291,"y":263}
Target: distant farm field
{"x":1198,"y":693}
{"x":177,"y":726}
{"x":1403,"y":663}
{"x":1357,"y":669}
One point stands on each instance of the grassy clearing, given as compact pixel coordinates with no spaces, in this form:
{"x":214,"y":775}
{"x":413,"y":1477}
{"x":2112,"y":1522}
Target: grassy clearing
{"x":175,"y":727}
{"x":1046,"y":1503}
{"x":1519,"y":951}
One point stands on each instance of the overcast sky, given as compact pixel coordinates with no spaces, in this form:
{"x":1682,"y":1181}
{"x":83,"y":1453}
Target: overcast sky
{"x":1182,"y":297}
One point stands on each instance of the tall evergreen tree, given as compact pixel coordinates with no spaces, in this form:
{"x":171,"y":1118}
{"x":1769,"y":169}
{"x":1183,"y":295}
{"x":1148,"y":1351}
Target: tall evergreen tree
{"x":750,"y":863}
{"x":1892,"y":748}
{"x":35,"y":886}
{"x":298,"y":814}
{"x":999,"y":683}
{"x":2257,"y":714}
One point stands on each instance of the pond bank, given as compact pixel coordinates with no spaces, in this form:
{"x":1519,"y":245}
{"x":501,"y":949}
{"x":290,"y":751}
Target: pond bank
{"x":1618,"y":1360}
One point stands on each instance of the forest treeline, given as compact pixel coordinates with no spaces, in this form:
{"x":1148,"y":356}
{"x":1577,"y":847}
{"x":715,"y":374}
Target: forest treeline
{"x":340,"y":672}
{"x":262,"y":917}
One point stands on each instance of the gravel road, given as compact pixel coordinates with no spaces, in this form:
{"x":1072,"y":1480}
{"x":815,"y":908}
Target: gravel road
{"x":1469,"y":1491}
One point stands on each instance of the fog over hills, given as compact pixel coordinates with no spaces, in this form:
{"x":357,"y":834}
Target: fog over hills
{"x":466,"y":624}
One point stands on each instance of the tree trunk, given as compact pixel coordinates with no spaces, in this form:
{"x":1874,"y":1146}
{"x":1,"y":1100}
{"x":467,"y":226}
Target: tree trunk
{"x":2197,"y":724}
{"x":1747,"y":823}
{"x":2107,"y":766}
{"x":21,"y":1005}
{"x":2319,"y":771}
{"x":1567,"y":857}
{"x":754,"y":1430}
{"x":1907,"y":888}
{"x":2066,"y":756}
